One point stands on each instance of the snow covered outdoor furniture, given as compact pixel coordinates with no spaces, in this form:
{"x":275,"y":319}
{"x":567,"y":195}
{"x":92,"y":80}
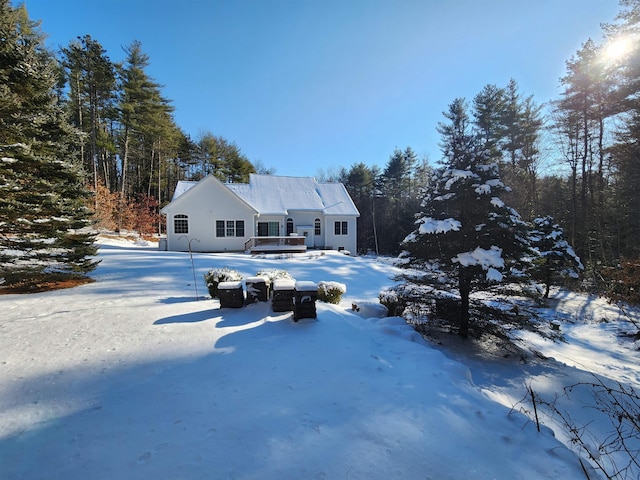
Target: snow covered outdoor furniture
{"x":231,"y":294}
{"x":257,"y":289}
{"x":283,"y":292}
{"x":304,"y":301}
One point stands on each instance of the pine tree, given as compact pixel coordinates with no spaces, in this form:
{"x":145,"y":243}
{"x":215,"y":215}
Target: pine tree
{"x":556,"y":259}
{"x":360,"y":182}
{"x":489,"y":107}
{"x":582,"y":114}
{"x":92,"y":80}
{"x":43,"y":212}
{"x":398,"y":200}
{"x":223,"y":159}
{"x":521,"y":124}
{"x":145,"y":116}
{"x":465,"y":231}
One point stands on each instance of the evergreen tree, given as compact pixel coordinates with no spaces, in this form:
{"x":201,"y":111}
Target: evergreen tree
{"x":92,"y":80}
{"x":223,"y":159}
{"x":509,"y":127}
{"x":582,"y":114}
{"x":556,"y":259}
{"x":145,"y":117}
{"x":360,"y":182}
{"x":398,"y":200}
{"x":488,"y":113}
{"x":626,"y":204}
{"x":624,"y":153}
{"x":511,"y":122}
{"x":465,"y":231}
{"x":43,"y":212}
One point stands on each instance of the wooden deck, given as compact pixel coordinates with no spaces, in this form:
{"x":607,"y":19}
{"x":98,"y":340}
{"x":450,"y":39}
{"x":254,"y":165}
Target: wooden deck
{"x":291,"y":244}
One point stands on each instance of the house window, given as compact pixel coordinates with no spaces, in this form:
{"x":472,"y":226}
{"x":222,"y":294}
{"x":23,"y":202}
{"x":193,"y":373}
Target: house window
{"x":229,"y":228}
{"x":341,"y":228}
{"x":180,"y":223}
{"x":316,"y":227}
{"x":268,"y":229}
{"x":289,"y":226}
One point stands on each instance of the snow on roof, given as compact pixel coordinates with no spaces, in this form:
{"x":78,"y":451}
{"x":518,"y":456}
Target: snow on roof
{"x":275,"y":195}
{"x":182,"y":187}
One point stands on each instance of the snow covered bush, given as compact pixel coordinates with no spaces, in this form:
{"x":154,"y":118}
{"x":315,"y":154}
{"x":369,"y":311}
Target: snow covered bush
{"x":331,"y":292}
{"x":408,"y":298}
{"x":389,"y":298}
{"x":274,"y":274}
{"x":217,"y":275}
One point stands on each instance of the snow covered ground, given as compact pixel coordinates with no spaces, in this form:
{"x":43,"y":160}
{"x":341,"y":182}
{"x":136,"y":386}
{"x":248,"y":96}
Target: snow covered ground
{"x":134,"y":377}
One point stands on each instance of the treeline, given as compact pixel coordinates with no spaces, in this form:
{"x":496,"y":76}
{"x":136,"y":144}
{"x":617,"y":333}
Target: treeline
{"x":130,"y":143}
{"x":511,"y":127}
{"x":576,"y":159}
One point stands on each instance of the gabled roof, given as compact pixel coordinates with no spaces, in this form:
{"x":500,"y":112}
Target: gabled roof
{"x":181,"y":187}
{"x":276,"y":195}
{"x":184,"y":187}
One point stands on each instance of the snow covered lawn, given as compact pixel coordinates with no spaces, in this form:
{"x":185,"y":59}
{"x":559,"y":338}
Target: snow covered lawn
{"x":133,"y":377}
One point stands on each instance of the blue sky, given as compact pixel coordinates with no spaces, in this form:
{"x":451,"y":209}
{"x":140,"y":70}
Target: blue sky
{"x":307,"y":86}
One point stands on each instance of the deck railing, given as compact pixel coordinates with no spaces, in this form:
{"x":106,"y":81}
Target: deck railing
{"x":292,"y":243}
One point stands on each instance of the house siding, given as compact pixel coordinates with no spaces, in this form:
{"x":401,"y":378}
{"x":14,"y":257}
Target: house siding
{"x":204,"y":209}
{"x":269,"y":199}
{"x":341,"y":242}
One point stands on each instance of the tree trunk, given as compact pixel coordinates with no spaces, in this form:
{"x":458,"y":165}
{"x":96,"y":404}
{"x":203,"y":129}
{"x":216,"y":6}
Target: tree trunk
{"x":124,"y":177}
{"x":125,"y":160}
{"x":547,"y":283}
{"x":464,"y":285}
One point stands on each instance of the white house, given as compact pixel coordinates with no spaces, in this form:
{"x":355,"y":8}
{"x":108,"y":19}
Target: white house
{"x":268,"y":213}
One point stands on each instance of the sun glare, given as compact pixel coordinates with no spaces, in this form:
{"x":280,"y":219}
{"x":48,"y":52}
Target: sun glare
{"x":617,"y":48}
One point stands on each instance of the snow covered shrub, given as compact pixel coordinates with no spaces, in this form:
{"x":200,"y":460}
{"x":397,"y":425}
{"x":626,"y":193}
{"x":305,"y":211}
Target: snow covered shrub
{"x":389,"y":298}
{"x":401,"y":297}
{"x":216,"y":275}
{"x":273,"y":274}
{"x":331,"y":292}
